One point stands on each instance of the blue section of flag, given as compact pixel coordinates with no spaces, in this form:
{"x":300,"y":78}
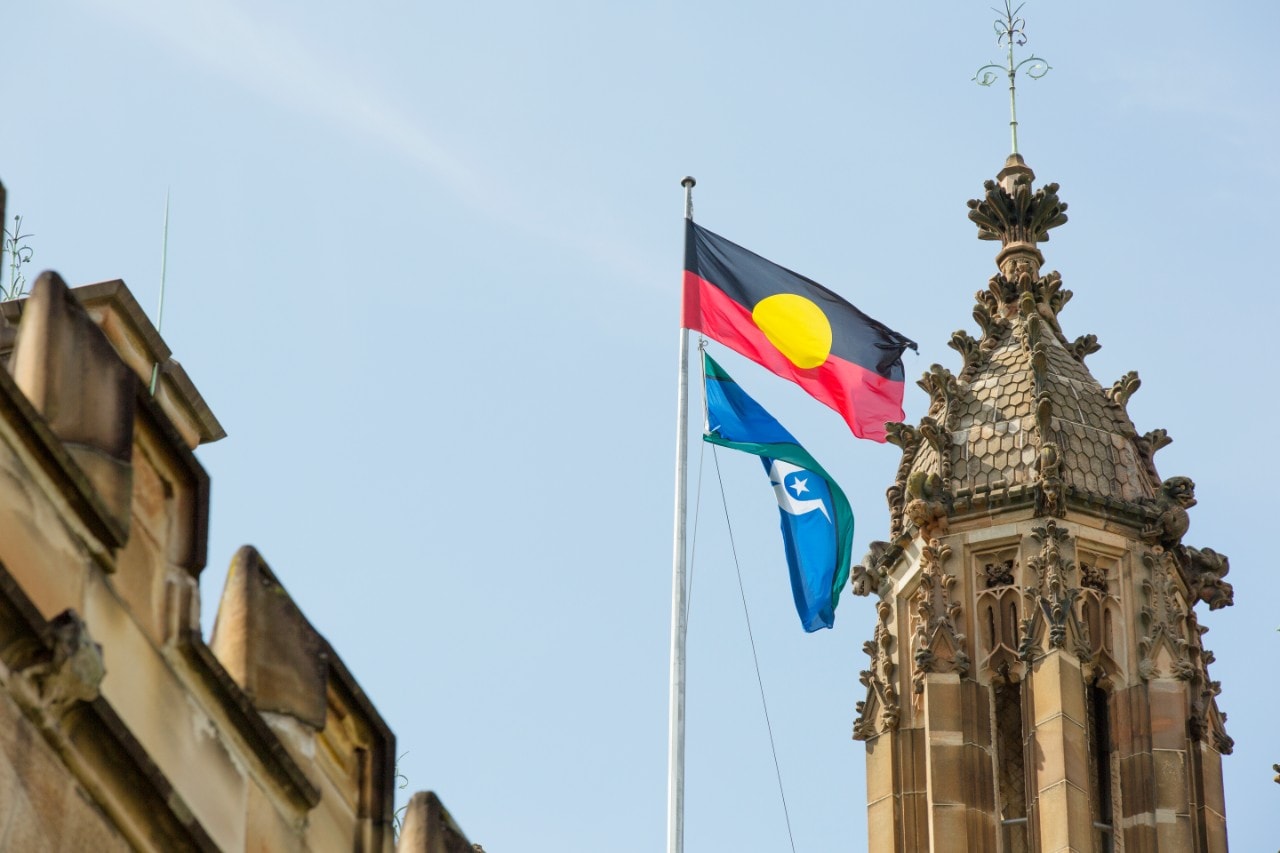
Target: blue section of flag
{"x":817,"y":524}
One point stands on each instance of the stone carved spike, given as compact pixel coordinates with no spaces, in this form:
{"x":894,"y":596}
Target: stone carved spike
{"x":1156,"y":439}
{"x":1044,"y":416}
{"x":939,"y":644}
{"x":931,"y":432}
{"x":1051,"y":292}
{"x":965,"y":344}
{"x":941,"y":386}
{"x":894,"y":497}
{"x":1048,"y":212}
{"x":1124,"y":388}
{"x":1039,"y":364}
{"x":1027,"y":304}
{"x":907,"y":438}
{"x":1083,"y":346}
{"x":1206,"y":721}
{"x":1001,"y":289}
{"x":989,"y":320}
{"x":1033,"y":331}
{"x":1052,"y":599}
{"x":1164,"y":619}
{"x":1020,"y":216}
{"x":882,"y":694}
{"x":938,"y":437}
{"x":1059,"y":300}
{"x":1148,"y":444}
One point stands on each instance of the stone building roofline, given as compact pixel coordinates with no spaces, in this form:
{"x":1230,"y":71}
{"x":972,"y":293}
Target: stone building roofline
{"x":135,"y":339}
{"x":1024,"y":425}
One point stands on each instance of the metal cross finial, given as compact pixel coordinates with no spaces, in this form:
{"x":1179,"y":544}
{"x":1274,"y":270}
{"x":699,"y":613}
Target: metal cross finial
{"x":1011,"y":31}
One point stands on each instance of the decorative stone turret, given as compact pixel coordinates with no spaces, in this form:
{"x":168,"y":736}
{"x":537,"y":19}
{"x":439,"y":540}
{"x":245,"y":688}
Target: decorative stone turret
{"x":1038,"y":680}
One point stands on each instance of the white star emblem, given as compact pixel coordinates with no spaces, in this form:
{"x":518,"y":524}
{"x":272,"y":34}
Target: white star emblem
{"x":778,"y":474}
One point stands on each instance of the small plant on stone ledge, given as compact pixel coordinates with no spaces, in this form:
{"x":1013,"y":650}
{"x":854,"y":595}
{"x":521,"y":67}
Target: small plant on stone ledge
{"x":402,"y":782}
{"x":19,"y":254}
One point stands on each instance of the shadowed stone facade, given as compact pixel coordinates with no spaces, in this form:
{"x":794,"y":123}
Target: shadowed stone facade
{"x":1038,"y":679}
{"x":120,"y":728}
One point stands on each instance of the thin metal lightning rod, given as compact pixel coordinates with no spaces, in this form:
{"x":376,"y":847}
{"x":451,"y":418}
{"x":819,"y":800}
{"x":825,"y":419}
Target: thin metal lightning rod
{"x":164,"y":262}
{"x":1011,"y":31}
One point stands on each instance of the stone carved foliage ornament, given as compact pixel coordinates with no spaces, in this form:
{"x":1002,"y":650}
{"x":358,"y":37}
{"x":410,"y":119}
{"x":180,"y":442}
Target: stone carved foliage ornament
{"x":1020,"y":216}
{"x":1149,"y":444}
{"x":1165,"y":644}
{"x":1207,"y":722}
{"x":908,"y":439}
{"x":1124,"y":388}
{"x":943,"y":390}
{"x":999,"y":573}
{"x":939,"y":644}
{"x":1022,"y":279}
{"x":880,"y":710}
{"x":970,"y":350}
{"x":1173,"y":647}
{"x":1093,"y":577}
{"x":1082,"y":346}
{"x":1051,"y":622}
{"x":987,"y":314}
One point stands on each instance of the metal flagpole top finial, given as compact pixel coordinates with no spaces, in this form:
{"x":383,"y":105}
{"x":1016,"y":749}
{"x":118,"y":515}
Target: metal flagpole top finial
{"x":1011,"y":31}
{"x":688,"y":182}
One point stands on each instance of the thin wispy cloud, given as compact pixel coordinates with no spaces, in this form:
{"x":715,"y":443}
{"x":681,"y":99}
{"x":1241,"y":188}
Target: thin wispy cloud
{"x":272,"y":62}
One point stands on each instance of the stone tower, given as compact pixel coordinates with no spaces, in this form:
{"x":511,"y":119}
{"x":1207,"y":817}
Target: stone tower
{"x":1038,"y":680}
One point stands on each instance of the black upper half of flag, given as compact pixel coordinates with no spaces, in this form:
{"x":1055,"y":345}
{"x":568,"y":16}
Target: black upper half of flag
{"x":747,"y":279}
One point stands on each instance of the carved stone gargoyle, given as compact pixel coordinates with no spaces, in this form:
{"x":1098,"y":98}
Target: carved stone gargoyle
{"x":927,"y":507}
{"x":867,"y":576}
{"x":69,"y":672}
{"x":1206,"y":569}
{"x":1177,"y":495}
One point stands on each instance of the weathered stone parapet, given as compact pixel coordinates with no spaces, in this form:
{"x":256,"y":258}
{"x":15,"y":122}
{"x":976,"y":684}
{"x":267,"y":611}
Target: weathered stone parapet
{"x":71,"y":374}
{"x":268,"y":646}
{"x":427,"y":827}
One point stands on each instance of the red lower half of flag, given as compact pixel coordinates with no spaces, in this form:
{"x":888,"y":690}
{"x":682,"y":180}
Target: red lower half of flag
{"x":864,"y":398}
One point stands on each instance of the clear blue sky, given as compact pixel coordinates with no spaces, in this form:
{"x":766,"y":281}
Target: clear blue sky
{"x":423,"y":264}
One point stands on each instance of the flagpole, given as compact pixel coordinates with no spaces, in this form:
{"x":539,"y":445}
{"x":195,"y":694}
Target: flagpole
{"x":679,"y":609}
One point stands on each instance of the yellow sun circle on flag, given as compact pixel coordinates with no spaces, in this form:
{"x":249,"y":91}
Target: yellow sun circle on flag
{"x":796,"y":326}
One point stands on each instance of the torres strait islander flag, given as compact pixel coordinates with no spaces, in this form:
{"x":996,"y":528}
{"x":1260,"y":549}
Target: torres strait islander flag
{"x":796,"y":328}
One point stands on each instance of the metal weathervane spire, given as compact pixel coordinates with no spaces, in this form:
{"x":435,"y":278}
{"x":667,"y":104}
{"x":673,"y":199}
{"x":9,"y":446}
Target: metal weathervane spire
{"x":1011,"y":32}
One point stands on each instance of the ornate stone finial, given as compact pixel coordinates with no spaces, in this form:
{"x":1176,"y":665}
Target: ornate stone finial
{"x":1019,"y":218}
{"x":1011,"y":31}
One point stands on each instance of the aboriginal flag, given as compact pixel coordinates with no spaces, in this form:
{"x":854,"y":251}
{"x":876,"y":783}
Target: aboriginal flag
{"x":796,"y":328}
